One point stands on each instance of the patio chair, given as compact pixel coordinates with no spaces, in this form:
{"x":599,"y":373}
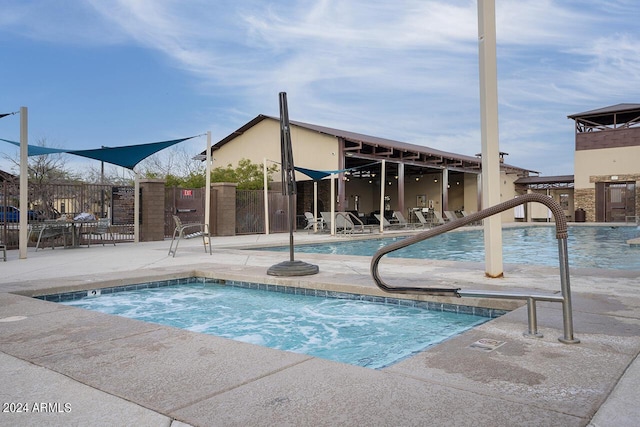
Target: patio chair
{"x":101,"y":229}
{"x":196,"y":228}
{"x":311,"y":220}
{"x":48,"y":230}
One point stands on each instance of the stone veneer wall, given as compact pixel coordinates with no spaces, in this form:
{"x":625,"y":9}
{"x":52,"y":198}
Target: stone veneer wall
{"x":585,"y":198}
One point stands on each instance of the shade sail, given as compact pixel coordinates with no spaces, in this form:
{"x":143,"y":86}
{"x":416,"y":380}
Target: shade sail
{"x":317,"y":175}
{"x":127,"y":156}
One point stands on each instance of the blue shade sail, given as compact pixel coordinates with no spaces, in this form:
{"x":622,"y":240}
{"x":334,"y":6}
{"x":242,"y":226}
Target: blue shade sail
{"x":127,"y":156}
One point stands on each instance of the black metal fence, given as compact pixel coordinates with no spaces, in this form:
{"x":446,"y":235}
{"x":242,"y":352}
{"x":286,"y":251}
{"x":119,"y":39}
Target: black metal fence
{"x":55,"y":201}
{"x":250,"y":212}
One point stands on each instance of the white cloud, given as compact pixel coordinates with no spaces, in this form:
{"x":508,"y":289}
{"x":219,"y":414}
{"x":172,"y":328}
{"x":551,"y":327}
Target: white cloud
{"x":405,"y":69}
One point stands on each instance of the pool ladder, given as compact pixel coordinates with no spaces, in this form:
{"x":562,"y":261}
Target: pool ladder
{"x":561,"y":235}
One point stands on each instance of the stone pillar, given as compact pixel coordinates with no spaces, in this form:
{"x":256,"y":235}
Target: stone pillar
{"x":225,"y":208}
{"x":151,"y":210}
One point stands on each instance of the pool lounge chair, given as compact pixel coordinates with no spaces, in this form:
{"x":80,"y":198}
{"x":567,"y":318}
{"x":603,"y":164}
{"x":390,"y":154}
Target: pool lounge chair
{"x":450,"y":216}
{"x":423,"y":221}
{"x":403,"y":221}
{"x":464,"y":214}
{"x":387,"y":224}
{"x":437,"y":218}
{"x":326,"y":220}
{"x":350,"y":223}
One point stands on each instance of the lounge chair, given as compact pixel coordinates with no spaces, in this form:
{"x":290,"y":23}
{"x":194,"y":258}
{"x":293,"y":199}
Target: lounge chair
{"x":464,"y":214}
{"x":197,"y":229}
{"x":326,"y":220}
{"x":347,"y":222}
{"x":450,"y":216}
{"x":423,"y":221}
{"x":403,"y":221}
{"x":344,"y":225}
{"x":437,"y":218}
{"x":387,"y":224}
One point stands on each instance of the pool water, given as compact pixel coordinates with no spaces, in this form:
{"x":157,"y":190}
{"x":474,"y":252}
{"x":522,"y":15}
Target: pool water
{"x":357,"y":332}
{"x":596,"y":247}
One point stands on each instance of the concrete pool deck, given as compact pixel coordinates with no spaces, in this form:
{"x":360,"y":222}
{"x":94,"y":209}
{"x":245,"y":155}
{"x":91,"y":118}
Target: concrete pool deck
{"x":77,"y":367}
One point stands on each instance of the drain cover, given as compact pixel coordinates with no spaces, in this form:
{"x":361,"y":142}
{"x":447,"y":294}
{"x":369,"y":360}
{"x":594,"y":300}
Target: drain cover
{"x":486,"y":344}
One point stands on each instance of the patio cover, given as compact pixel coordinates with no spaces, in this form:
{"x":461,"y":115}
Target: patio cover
{"x":127,"y":156}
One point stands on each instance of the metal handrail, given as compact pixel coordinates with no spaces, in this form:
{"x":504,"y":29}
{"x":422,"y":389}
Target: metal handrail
{"x":561,"y":236}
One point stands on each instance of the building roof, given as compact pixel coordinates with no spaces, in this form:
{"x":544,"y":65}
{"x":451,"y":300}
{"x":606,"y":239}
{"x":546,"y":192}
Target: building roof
{"x":619,"y":113}
{"x":545,"y":182}
{"x":367,"y":146}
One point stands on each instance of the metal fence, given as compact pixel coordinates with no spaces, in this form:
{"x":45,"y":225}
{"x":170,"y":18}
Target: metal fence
{"x":56,"y":201}
{"x":250,"y":212}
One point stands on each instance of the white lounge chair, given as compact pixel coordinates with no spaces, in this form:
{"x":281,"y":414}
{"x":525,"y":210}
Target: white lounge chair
{"x":387,"y":224}
{"x":438,"y":220}
{"x":450,"y":215}
{"x":422,"y":219}
{"x":403,"y":221}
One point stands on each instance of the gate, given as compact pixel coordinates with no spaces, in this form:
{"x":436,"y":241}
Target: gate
{"x":186,"y":203}
{"x":250,"y":212}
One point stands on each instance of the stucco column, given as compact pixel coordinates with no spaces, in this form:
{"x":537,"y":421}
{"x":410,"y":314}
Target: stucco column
{"x":151,"y":210}
{"x":489,"y":132}
{"x":226,"y":208}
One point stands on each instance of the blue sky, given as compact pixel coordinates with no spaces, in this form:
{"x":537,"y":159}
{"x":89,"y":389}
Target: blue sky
{"x":120,"y":72}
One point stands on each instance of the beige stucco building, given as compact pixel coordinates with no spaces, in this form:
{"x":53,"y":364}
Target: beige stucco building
{"x":607,"y":163}
{"x":415,"y":177}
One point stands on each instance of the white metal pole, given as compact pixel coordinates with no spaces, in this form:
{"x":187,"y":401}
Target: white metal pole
{"x":24,"y":183}
{"x":315,"y":206}
{"x":207,"y":184}
{"x":489,"y":131}
{"x":333,"y":204}
{"x":266,"y":196}
{"x":383,"y":183}
{"x":136,"y":208}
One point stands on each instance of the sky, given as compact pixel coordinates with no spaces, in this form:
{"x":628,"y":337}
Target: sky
{"x":119,"y":72}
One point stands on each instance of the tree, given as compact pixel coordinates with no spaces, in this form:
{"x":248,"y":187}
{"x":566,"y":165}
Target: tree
{"x":45,"y":169}
{"x":247,"y":174}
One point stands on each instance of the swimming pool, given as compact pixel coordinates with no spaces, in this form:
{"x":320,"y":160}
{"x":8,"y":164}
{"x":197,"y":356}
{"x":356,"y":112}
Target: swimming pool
{"x":592,"y":246}
{"x":367,"y":331}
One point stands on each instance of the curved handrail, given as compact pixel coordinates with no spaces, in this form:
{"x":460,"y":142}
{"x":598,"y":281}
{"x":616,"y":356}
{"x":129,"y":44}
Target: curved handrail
{"x":556,"y":209}
{"x":561,"y":235}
